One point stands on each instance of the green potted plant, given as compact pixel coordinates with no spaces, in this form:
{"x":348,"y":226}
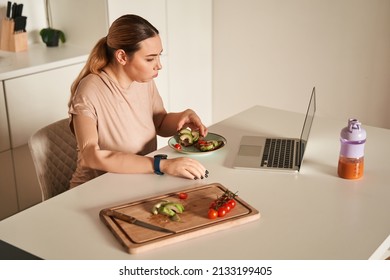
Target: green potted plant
{"x":49,"y":35}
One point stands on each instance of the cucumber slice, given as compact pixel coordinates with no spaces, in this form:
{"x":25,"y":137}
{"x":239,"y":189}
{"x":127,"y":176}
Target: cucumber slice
{"x":185,"y":131}
{"x":171,"y":209}
{"x":167,"y":208}
{"x":195,"y":136}
{"x":177,"y":207}
{"x":157,"y":206}
{"x":208,"y":147}
{"x":186,"y":140}
{"x":217,"y":143}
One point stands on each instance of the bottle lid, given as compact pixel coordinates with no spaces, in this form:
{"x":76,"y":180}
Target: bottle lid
{"x":354,"y":131}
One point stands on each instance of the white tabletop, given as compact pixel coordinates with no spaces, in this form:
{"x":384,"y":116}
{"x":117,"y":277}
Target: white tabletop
{"x":310,"y":215}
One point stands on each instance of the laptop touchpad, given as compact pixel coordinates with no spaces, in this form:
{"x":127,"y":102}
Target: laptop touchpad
{"x":250,"y":150}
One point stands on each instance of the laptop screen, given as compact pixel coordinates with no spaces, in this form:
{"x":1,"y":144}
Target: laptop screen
{"x":311,"y":109}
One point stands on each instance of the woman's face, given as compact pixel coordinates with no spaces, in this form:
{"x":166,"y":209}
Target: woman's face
{"x":145,"y":63}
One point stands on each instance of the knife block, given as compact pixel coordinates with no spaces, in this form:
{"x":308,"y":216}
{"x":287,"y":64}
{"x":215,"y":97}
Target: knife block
{"x":11,"y":41}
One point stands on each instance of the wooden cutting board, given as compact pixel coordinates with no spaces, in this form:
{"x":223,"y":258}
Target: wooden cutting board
{"x":193,"y":222}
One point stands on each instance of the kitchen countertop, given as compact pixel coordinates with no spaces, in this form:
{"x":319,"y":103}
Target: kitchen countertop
{"x":39,"y":58}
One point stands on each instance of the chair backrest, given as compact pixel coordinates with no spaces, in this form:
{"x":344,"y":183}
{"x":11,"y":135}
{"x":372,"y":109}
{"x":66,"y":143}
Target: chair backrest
{"x":54,"y":153}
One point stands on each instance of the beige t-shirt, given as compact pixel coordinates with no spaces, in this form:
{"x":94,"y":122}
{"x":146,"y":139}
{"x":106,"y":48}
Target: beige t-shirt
{"x":124,"y":117}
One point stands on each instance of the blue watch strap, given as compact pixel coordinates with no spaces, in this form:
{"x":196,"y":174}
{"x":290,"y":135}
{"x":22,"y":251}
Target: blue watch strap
{"x":156,"y":163}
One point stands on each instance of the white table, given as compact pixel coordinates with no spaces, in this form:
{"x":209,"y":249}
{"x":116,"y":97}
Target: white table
{"x":310,"y":215}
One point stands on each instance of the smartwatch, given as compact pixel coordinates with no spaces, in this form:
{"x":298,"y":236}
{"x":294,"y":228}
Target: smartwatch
{"x":156,"y":163}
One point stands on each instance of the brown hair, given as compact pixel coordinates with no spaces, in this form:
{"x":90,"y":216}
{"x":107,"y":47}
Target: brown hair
{"x":125,"y":33}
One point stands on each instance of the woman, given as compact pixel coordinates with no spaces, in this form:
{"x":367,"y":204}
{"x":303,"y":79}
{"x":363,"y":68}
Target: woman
{"x":116,"y":111}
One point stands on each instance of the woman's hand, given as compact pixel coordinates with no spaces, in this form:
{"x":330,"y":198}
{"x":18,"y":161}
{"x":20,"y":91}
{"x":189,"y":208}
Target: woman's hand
{"x":190,"y":119}
{"x":184,"y":167}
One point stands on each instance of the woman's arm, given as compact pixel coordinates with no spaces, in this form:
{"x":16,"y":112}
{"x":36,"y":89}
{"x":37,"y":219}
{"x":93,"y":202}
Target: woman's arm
{"x":119,"y":162}
{"x":111,"y":161}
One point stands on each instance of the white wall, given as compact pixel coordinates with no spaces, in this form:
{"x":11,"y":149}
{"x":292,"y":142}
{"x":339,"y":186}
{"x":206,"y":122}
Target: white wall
{"x":84,"y":22}
{"x":87,"y":23}
{"x":271,"y":52}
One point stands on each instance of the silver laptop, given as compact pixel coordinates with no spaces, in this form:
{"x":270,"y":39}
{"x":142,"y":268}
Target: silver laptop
{"x":278,"y":154}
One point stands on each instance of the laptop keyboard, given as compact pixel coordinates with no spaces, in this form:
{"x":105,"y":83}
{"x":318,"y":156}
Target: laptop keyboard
{"x":278,"y":153}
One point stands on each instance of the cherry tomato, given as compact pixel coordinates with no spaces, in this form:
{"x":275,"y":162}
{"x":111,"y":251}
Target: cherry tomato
{"x":212,"y":214}
{"x":222,"y":211}
{"x":177,"y":146}
{"x":213,"y":205}
{"x":183,"y":195}
{"x":227,"y":207}
{"x":232,"y":203}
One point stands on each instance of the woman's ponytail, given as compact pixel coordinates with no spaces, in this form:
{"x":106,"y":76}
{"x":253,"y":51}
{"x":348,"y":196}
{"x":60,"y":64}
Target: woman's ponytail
{"x":97,"y":60}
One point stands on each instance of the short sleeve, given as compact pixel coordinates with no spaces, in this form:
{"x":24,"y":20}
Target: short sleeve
{"x":84,"y":100}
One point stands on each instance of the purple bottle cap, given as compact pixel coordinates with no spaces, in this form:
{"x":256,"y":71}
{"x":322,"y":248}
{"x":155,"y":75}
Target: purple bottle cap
{"x":354,"y":131}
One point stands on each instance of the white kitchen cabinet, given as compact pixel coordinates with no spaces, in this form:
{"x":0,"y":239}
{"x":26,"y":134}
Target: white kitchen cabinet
{"x":4,"y":135}
{"x":35,"y":91}
{"x":26,"y":180}
{"x":8,"y":195}
{"x":36,"y":100}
